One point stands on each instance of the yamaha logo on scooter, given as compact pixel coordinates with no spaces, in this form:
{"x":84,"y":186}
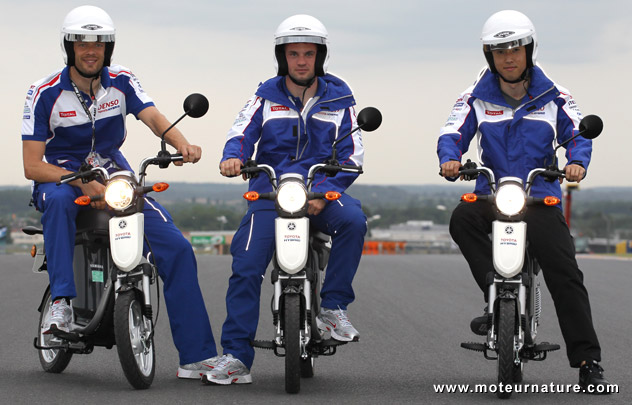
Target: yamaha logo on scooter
{"x":509,"y":230}
{"x":122,"y":224}
{"x":291,"y":226}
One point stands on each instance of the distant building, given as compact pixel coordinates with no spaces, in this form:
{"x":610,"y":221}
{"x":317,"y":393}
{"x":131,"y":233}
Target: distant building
{"x":419,"y":235}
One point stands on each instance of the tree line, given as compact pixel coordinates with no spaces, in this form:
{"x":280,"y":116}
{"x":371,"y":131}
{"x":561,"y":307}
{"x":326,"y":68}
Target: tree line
{"x":592,"y":216}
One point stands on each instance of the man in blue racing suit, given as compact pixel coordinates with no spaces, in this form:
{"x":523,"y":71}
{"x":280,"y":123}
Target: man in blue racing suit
{"x":293,"y":118}
{"x":517,"y":114}
{"x":77,"y":115}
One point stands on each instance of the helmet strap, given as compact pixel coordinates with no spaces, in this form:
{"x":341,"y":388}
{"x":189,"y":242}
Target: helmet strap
{"x":523,"y":77}
{"x":303,"y":83}
{"x":87,"y":76}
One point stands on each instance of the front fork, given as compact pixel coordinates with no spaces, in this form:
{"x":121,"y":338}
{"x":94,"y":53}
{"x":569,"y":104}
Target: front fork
{"x":142,"y":276}
{"x":306,"y":290}
{"x":505,"y":289}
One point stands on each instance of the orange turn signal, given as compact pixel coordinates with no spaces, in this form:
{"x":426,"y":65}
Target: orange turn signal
{"x":469,"y":197}
{"x":332,"y":195}
{"x":160,"y":187}
{"x":83,"y":200}
{"x":550,"y":201}
{"x":251,"y":196}
{"x":33,"y":250}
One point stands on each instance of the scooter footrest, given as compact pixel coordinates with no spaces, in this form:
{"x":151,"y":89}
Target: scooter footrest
{"x":69,"y":336}
{"x":331,"y":342}
{"x":264,"y":344}
{"x":545,"y":347}
{"x":477,"y":347}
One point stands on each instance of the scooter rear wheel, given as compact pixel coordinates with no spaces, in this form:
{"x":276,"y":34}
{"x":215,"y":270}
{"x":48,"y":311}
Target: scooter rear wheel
{"x":52,"y":360}
{"x":136,"y":351}
{"x":292,"y":339}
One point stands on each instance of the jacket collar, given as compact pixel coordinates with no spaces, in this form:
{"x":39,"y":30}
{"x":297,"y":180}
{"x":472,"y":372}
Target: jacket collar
{"x":331,"y":89}
{"x":488,"y":89}
{"x":66,"y":84}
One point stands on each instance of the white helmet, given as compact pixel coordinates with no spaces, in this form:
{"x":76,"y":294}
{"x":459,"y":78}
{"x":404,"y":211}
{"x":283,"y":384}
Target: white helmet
{"x":301,"y":28}
{"x":509,"y":29}
{"x":87,"y":24}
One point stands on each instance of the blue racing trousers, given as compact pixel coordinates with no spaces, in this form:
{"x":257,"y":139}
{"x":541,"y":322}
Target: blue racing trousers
{"x":177,"y":266}
{"x":252,"y":249}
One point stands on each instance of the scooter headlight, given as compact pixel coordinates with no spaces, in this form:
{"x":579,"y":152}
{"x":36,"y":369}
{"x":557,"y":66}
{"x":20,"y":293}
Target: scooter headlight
{"x":292,"y":196}
{"x":119,"y":194}
{"x":510,"y":197}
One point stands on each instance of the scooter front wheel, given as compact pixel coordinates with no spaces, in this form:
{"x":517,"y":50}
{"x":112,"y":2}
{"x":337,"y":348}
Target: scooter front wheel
{"x":292,"y":339}
{"x":505,"y":345}
{"x":134,"y":340}
{"x":52,"y":360}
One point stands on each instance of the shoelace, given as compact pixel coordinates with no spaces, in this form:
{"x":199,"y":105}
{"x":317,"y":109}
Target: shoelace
{"x":341,"y":314}
{"x":594,"y":368}
{"x":57,"y":311}
{"x":224,"y":363}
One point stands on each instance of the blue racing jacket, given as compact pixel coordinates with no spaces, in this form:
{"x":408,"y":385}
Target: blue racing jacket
{"x":510,"y":141}
{"x":291,"y":139}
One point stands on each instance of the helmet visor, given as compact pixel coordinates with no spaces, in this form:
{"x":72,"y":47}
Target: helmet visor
{"x":508,"y":45}
{"x":301,"y":39}
{"x":89,"y":38}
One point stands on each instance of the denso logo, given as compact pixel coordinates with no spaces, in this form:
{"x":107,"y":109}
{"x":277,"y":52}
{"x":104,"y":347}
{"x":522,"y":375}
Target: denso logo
{"x":279,"y":108}
{"x":109,"y":105}
{"x":67,"y":114}
{"x":490,"y":112}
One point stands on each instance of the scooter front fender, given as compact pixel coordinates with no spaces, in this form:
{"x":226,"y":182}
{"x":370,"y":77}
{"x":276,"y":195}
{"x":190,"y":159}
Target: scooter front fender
{"x":126,"y":240}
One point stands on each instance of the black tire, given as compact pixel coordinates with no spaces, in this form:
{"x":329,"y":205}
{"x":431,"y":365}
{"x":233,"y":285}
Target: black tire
{"x":505,"y":346}
{"x":307,"y":365}
{"x":292,"y":338}
{"x":52,"y":360}
{"x":130,"y":327}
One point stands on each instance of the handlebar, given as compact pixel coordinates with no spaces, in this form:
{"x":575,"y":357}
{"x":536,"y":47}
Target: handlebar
{"x":86,"y":174}
{"x":470,"y":171}
{"x":89,"y":173}
{"x":162,"y":160}
{"x":251,"y":169}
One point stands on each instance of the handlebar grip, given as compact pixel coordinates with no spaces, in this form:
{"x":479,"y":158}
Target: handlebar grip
{"x":469,"y":174}
{"x":67,"y":176}
{"x":552,"y":175}
{"x":249,"y":171}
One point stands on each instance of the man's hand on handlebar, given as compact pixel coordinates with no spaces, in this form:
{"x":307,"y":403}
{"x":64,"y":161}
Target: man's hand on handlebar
{"x":231,"y":168}
{"x":92,"y":189}
{"x":190,"y":154}
{"x":574,"y":172}
{"x":451,"y":169}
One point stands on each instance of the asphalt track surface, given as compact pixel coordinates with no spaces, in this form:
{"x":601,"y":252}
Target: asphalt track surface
{"x":412,"y":311}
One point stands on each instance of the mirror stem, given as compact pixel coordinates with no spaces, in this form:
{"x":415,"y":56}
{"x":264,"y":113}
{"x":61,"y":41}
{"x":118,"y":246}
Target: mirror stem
{"x":162,"y":143}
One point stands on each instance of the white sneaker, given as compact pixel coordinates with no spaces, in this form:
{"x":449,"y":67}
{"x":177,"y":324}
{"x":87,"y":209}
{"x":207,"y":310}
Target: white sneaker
{"x":228,"y":370}
{"x":196,"y":370}
{"x":337,"y":322}
{"x":60,"y":315}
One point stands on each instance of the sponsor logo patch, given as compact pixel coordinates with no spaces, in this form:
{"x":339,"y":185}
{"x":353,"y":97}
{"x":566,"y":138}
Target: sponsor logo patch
{"x":504,"y":34}
{"x":279,"y":108}
{"x":92,"y":27}
{"x":67,"y":114}
{"x":109,"y":105}
{"x":491,"y":112}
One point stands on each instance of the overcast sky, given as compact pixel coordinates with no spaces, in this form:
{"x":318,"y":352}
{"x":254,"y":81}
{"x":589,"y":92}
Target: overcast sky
{"x":409,"y":58}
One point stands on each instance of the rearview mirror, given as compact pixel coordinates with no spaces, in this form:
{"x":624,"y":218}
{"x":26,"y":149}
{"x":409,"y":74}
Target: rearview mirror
{"x":369,"y":119}
{"x":590,"y":126}
{"x":195,"y":105}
